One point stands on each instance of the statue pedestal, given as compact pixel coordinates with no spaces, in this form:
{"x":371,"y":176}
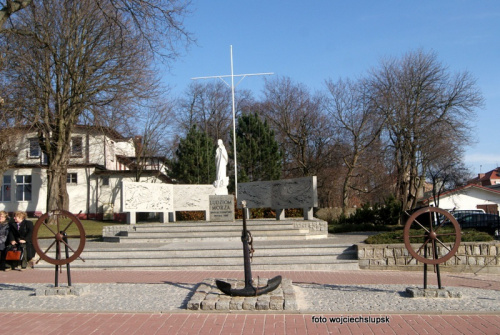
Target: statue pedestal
{"x":221,"y":186}
{"x":221,"y":190}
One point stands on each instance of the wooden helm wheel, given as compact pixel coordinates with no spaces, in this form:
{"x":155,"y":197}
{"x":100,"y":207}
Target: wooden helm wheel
{"x":427,"y":223}
{"x":59,"y":224}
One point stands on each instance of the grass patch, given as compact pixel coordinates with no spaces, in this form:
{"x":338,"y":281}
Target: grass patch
{"x":468,"y":235}
{"x":93,"y":229}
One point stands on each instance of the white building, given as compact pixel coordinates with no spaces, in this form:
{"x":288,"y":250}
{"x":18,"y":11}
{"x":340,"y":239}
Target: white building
{"x":100,"y":160}
{"x":470,"y":197}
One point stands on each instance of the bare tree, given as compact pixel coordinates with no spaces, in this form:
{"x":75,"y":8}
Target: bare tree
{"x":10,"y":7}
{"x":423,"y":106}
{"x":7,"y":149}
{"x":300,"y":125}
{"x":209,"y":106}
{"x":357,"y":128}
{"x":7,"y":145}
{"x":213,"y":109}
{"x":445,"y":170}
{"x":72,"y":63}
{"x":157,"y":23}
{"x":153,"y":143}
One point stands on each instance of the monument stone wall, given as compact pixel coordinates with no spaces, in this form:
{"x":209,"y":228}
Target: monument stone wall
{"x":165,"y":199}
{"x":280,"y":195}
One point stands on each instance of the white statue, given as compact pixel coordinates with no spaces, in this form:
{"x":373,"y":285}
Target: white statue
{"x":221,"y":159}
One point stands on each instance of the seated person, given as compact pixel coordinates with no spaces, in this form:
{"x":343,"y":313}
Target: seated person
{"x":20,"y":232}
{"x":4,"y":234}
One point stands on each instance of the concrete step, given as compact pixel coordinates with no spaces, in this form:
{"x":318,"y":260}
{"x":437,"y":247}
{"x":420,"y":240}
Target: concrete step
{"x":228,"y":256}
{"x":211,"y":227}
{"x":219,"y":252}
{"x":199,"y":232}
{"x":188,"y":257}
{"x":294,"y":266}
{"x":203,"y":261}
{"x":228,"y":233}
{"x":290,"y":266}
{"x":214,"y":231}
{"x":193,"y":239}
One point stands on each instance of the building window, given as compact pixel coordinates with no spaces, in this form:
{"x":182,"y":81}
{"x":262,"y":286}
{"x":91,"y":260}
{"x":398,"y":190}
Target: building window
{"x":6,"y":187}
{"x":45,"y":158}
{"x":23,"y":188}
{"x":72,"y":178}
{"x":76,"y":147}
{"x":34,"y":150}
{"x":105,"y":180}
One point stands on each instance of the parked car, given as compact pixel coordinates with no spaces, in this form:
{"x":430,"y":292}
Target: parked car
{"x":489,"y":223}
{"x":460,"y":213}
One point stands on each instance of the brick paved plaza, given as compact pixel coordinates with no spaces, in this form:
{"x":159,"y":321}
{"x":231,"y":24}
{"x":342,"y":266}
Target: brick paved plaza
{"x":183,"y":321}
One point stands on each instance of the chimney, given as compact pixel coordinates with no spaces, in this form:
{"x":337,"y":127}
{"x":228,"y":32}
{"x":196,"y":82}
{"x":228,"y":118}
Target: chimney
{"x":138,"y":143}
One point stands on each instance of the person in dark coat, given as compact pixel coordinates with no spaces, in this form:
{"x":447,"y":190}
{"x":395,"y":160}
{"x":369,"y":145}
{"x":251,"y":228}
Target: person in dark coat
{"x":20,"y":233}
{"x":4,"y":235}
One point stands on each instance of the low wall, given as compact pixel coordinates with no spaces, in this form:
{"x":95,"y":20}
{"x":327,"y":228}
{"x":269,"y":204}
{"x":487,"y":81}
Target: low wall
{"x":471,"y":257}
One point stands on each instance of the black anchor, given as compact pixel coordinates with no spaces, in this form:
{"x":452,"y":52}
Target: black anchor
{"x":249,"y":290}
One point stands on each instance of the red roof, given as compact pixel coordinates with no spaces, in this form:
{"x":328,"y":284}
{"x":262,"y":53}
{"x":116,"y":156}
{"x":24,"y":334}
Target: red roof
{"x":487,"y":178}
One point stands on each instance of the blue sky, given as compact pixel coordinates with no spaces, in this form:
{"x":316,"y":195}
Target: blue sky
{"x":314,"y":41}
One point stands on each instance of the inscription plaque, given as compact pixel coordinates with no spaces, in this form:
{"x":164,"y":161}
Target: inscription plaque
{"x":221,"y":208}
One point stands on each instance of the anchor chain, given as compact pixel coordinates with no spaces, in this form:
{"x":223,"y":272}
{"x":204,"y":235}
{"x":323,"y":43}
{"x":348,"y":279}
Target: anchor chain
{"x":250,"y":245}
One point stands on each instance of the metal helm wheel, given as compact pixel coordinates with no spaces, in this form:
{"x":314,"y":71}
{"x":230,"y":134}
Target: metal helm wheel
{"x":59,"y":224}
{"x":427,"y":224}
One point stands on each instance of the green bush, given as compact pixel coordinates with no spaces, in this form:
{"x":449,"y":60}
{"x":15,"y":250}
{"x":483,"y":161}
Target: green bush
{"x":268,"y":213}
{"x":190,"y":216}
{"x":294,"y":212}
{"x":386,"y":214}
{"x":468,"y":235}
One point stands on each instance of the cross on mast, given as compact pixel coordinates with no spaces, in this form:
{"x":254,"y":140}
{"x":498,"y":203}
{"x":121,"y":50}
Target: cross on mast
{"x":232,"y":75}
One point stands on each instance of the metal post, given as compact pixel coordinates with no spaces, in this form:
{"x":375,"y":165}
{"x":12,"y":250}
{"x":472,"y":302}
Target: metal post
{"x":65,"y":239}
{"x":437,"y":266}
{"x":425,"y":266}
{"x":58,"y":256}
{"x":234,"y":130}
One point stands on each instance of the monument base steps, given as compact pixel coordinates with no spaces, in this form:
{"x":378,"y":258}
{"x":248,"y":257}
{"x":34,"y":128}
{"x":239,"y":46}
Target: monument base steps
{"x":214,"y":256}
{"x":217,"y":246}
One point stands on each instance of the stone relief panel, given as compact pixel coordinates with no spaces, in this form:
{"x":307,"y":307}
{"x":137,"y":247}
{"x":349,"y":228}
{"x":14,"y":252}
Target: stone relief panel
{"x":295,"y":193}
{"x":192,"y":197}
{"x":257,"y":194}
{"x":287,"y":193}
{"x":147,"y":197}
